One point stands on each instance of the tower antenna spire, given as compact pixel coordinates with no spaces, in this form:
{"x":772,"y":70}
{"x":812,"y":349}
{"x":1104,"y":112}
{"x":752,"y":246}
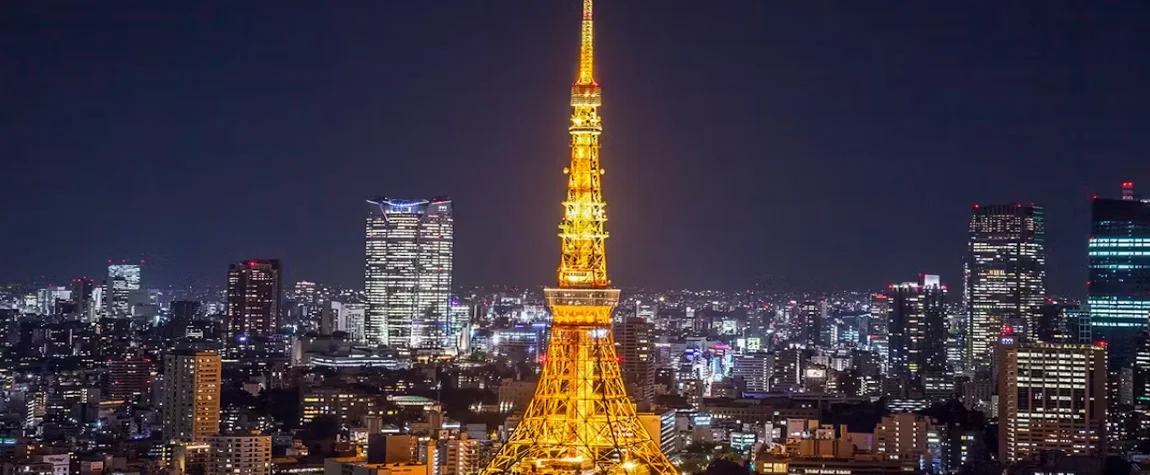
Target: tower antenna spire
{"x":587,"y":46}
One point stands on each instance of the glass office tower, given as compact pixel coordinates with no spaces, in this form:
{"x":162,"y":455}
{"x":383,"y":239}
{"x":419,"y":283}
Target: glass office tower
{"x":1119,"y":285}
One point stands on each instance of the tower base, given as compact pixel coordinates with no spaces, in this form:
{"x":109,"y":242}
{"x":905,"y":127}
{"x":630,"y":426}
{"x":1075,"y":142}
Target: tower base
{"x":580,"y":420}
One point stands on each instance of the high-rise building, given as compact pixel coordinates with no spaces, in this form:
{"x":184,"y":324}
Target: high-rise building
{"x":917,"y":328}
{"x":129,"y":378}
{"x":192,"y":387}
{"x":635,"y":344}
{"x":787,"y":375}
{"x":49,"y":300}
{"x":410,"y":247}
{"x":185,"y":310}
{"x":1051,"y":396}
{"x":1057,"y":322}
{"x":662,"y":429}
{"x":254,"y":289}
{"x":82,"y":289}
{"x":755,"y":369}
{"x":580,"y":419}
{"x":906,"y":436}
{"x":239,"y":454}
{"x":1141,"y":371}
{"x":1006,"y":270}
{"x":1118,"y":294}
{"x":305,"y":292}
{"x":879,"y":337}
{"x":346,"y":404}
{"x":459,"y":326}
{"x":189,"y":457}
{"x":812,"y":317}
{"x":122,"y":280}
{"x":343,"y":317}
{"x":463,"y":456}
{"x":647,"y":310}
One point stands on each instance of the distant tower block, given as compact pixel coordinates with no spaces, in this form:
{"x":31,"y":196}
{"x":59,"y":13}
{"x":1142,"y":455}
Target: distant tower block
{"x":580,"y":419}
{"x":1128,"y":190}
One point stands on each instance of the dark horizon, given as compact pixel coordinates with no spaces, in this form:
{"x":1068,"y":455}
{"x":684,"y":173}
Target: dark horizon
{"x":819,"y":144}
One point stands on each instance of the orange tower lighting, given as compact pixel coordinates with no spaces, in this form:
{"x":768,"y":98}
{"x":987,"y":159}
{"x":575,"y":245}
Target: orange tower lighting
{"x":580,"y":419}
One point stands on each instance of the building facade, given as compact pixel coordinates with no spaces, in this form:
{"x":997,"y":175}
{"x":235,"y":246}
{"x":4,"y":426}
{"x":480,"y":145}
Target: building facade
{"x":787,"y":375}
{"x":812,"y":318}
{"x":464,"y":456}
{"x":906,"y":436}
{"x":192,"y":385}
{"x":755,"y":369}
{"x":878,"y":337}
{"x":254,"y":289}
{"x":916,"y":326}
{"x":239,"y":454}
{"x":346,"y":404}
{"x":410,"y":248}
{"x":122,"y":280}
{"x":635,"y":346}
{"x":1005,"y":275}
{"x":1118,"y":295}
{"x":129,"y":379}
{"x":1141,"y":372}
{"x":1051,"y":396}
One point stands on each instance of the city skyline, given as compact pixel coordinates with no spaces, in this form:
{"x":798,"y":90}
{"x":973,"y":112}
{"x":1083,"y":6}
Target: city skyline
{"x":975,"y":367}
{"x":805,"y":179}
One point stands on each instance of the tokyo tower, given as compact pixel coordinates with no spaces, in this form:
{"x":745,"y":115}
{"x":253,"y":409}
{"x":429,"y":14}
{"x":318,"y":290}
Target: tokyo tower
{"x":580,"y":420}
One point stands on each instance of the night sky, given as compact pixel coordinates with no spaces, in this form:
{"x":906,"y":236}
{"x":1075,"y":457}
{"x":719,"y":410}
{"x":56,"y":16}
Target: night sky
{"x":808,"y":144}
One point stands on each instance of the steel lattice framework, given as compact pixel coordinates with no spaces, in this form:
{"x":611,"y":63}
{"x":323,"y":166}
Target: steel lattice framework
{"x":580,"y":419}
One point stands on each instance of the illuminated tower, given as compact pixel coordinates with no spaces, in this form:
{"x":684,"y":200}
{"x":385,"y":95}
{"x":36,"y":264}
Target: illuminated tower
{"x":580,"y":419}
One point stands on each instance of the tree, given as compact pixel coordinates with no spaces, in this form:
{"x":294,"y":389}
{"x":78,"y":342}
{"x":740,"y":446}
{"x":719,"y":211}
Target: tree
{"x":726,"y":467}
{"x":325,"y":427}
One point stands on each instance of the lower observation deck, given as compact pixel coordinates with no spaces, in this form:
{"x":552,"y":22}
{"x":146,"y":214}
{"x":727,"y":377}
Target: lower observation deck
{"x":581,"y":306}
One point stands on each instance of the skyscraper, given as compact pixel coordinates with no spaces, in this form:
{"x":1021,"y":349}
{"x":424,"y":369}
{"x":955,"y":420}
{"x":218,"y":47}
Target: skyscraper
{"x":1051,"y":396}
{"x":82,"y":290}
{"x":185,"y":310}
{"x":1118,"y":293}
{"x":192,"y":387}
{"x":459,"y":324}
{"x":254,"y":289}
{"x":1141,"y":372}
{"x":636,"y":346}
{"x":917,"y":328}
{"x":879,"y":337}
{"x":410,"y":247}
{"x":1006,"y":270}
{"x":122,"y":280}
{"x":812,"y":317}
{"x":1056,"y":323}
